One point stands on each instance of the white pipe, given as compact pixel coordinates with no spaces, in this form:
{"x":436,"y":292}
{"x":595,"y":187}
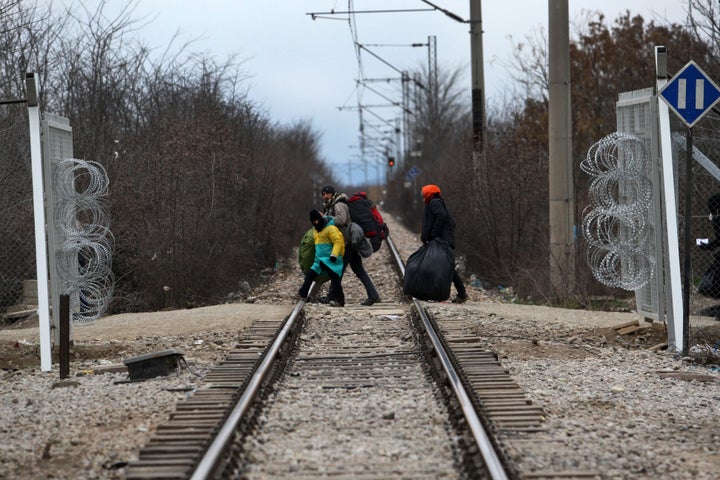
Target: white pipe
{"x":675,"y":305}
{"x":40,"y":240}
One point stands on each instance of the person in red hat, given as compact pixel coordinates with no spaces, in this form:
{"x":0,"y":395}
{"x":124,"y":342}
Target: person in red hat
{"x":437,"y":223}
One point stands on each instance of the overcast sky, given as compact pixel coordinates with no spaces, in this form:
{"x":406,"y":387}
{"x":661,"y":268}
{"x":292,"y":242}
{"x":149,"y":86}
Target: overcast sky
{"x":305,"y":69}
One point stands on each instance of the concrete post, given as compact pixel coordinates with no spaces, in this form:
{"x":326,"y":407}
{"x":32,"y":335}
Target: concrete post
{"x":561,"y":189}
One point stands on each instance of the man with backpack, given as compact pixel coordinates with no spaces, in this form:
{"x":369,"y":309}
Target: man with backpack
{"x":336,"y":205}
{"x":364,"y":212}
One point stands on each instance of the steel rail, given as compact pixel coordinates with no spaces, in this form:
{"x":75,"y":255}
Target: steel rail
{"x":210,"y":460}
{"x":490,"y":456}
{"x":207,"y":466}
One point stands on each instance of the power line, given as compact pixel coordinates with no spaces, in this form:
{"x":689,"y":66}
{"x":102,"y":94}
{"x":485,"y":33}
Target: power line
{"x":316,"y":15}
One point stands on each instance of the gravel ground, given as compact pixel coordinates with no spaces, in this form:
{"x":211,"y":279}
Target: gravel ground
{"x":612,"y":405}
{"x":381,"y":404}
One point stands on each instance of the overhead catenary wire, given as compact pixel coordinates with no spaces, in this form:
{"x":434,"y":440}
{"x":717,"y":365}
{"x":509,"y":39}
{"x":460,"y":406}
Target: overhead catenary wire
{"x":362,"y":80}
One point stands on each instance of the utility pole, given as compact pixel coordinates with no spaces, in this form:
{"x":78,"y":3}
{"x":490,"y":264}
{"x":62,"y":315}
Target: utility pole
{"x":478,"y":77}
{"x":479,"y":164}
{"x":432,"y":75}
{"x":406,"y":119}
{"x":561,"y":189}
{"x":432,"y":62}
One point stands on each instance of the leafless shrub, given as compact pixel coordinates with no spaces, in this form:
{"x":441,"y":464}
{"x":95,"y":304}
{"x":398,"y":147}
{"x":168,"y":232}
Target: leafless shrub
{"x":203,"y":185}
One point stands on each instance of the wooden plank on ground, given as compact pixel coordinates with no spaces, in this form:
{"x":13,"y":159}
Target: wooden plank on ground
{"x":629,"y":330}
{"x":626,"y":324}
{"x":19,"y":314}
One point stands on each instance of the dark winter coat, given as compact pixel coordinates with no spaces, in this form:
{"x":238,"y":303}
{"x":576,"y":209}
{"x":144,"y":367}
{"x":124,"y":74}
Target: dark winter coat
{"x":337,"y":208}
{"x":437,"y":222}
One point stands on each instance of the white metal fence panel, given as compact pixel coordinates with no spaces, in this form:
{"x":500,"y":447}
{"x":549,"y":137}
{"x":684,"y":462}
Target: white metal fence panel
{"x":636,"y":114}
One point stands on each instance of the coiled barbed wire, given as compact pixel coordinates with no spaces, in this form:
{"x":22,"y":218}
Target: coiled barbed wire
{"x":619,"y":253}
{"x":85,"y":242}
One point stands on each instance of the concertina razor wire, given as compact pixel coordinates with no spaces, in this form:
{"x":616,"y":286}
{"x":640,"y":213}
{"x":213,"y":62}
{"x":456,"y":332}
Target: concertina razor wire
{"x":619,"y":251}
{"x":85,"y":243}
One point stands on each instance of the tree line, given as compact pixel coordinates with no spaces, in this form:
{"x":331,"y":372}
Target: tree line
{"x":500,"y":200}
{"x":207,"y":191}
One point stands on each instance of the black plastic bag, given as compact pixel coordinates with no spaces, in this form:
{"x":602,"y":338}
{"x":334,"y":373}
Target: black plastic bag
{"x":429,"y":272}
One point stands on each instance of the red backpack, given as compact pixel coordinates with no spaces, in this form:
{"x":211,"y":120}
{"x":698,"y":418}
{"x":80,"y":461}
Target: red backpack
{"x":364,"y":212}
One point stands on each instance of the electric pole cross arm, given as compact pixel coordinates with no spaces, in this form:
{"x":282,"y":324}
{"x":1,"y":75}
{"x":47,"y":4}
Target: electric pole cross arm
{"x":316,"y":15}
{"x":446,"y":12}
{"x":384,"y":105}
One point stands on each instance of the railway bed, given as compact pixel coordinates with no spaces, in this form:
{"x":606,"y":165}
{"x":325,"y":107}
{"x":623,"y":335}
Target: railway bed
{"x":365,"y":394}
{"x":612,"y":404}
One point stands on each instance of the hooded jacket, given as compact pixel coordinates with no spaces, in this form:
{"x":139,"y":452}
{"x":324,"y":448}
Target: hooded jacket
{"x":329,"y":241}
{"x":437,"y":222}
{"x":337,"y":208}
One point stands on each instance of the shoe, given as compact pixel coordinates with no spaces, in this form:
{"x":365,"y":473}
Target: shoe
{"x":334,"y":303}
{"x":371,"y":301}
{"x":460,"y":299}
{"x":323,"y":300}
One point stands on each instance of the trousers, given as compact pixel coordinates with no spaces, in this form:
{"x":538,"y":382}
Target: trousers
{"x":354,"y":259}
{"x":335,"y":293}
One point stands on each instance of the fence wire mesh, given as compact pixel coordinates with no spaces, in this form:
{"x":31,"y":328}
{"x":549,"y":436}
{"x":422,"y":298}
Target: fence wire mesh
{"x":704,"y":248}
{"x":637,"y":116}
{"x":17,"y":240}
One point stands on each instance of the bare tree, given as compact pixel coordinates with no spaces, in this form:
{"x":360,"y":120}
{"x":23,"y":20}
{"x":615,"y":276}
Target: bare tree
{"x":25,"y":35}
{"x":202,"y":182}
{"x":704,"y":23}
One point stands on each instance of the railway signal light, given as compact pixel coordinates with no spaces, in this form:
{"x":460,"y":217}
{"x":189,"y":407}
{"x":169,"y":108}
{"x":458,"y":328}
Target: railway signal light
{"x":391,"y":161}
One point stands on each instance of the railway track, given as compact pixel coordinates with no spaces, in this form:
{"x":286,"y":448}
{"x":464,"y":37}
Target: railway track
{"x":355,"y":392}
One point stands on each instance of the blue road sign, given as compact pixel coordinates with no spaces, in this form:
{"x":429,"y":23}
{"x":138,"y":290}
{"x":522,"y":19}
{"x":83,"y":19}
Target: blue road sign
{"x":412,"y":173}
{"x":690,"y":93}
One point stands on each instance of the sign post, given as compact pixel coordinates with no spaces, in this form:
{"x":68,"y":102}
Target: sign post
{"x":690,"y":94}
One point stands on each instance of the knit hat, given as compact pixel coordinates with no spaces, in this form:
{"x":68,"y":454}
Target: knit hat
{"x":328,"y":189}
{"x":315,"y":215}
{"x":429,"y":191}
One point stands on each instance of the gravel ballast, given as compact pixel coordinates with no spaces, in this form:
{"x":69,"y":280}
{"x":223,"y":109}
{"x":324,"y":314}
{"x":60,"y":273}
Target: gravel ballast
{"x":612,"y":405}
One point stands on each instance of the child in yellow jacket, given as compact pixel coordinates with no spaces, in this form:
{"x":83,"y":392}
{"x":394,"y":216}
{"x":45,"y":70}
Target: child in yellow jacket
{"x":329,"y":251}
